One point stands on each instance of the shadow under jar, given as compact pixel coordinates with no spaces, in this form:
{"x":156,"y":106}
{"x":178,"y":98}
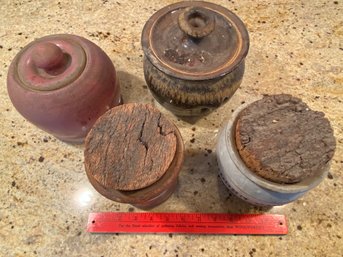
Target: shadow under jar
{"x":194,"y":56}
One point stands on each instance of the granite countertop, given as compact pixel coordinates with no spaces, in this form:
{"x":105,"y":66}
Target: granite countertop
{"x":45,"y":197}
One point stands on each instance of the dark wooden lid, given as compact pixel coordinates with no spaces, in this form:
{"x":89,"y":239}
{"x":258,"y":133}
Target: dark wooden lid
{"x":282,"y":140}
{"x":130,"y":147}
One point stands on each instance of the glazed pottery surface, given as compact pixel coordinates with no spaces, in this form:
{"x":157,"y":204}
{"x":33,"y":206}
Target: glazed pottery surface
{"x":194,"y":56}
{"x":62,"y":84}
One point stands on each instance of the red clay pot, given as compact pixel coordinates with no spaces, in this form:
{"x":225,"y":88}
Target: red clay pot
{"x":62,"y":84}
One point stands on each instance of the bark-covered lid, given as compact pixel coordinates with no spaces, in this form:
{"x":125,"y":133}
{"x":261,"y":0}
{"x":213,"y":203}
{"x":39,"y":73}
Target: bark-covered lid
{"x":282,"y":140}
{"x":195,"y":40}
{"x":130,"y":147}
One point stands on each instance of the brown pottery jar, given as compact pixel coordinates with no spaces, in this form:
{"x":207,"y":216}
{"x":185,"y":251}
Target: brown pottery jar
{"x":194,"y":56}
{"x":62,"y":84}
{"x":133,"y":154}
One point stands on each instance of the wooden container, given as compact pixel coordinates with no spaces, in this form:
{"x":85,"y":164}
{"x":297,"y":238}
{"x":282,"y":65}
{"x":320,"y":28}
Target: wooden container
{"x":133,"y":154}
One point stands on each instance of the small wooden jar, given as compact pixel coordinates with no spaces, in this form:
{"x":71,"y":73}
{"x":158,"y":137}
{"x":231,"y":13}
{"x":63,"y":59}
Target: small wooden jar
{"x":274,"y":150}
{"x":133,"y":154}
{"x":62,"y":84}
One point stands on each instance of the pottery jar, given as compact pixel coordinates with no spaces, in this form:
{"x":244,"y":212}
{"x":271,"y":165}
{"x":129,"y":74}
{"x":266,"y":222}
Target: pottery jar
{"x":248,"y":185}
{"x":194,"y":56}
{"x":134,"y":155}
{"x":62,"y":84}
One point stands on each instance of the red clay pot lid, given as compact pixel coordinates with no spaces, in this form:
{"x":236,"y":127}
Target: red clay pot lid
{"x":50,"y":63}
{"x":195,"y":40}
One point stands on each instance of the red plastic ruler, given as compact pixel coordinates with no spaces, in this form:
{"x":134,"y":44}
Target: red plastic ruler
{"x":190,"y":223}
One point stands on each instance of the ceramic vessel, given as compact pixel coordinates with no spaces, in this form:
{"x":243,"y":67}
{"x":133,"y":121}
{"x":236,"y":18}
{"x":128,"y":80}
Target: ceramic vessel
{"x":246,"y":184}
{"x":100,"y":142}
{"x":62,"y":84}
{"x":194,"y":56}
{"x":153,"y":195}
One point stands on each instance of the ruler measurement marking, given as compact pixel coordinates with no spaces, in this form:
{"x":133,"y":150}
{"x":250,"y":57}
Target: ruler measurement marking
{"x":193,"y":223}
{"x":166,"y":216}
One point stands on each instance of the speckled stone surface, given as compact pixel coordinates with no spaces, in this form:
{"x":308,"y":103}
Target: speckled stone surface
{"x":45,"y":197}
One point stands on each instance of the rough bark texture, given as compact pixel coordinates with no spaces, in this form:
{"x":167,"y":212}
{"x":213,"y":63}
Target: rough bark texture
{"x":130,"y":147}
{"x":282,"y":140}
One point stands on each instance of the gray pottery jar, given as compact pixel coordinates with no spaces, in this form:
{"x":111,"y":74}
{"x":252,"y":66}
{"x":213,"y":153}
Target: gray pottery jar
{"x":247,"y":185}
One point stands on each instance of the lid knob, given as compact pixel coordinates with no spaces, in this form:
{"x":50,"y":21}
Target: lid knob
{"x":196,"y":22}
{"x":47,"y":56}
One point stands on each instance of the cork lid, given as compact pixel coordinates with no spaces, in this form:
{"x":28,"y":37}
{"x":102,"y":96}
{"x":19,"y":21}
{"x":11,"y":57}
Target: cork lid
{"x":50,"y":63}
{"x":195,"y":40}
{"x":130,"y":147}
{"x":282,"y":140}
